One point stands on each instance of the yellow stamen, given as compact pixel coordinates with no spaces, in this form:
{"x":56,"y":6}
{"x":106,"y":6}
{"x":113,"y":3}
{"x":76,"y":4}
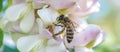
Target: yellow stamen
{"x":62,"y":11}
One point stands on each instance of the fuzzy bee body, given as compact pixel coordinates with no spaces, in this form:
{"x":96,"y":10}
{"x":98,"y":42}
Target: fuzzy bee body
{"x":69,"y":33}
{"x":68,"y":27}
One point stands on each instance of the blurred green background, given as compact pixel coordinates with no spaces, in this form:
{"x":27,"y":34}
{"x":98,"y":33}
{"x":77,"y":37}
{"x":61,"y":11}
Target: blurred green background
{"x":108,"y":18}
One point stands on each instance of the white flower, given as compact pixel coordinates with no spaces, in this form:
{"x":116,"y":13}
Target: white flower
{"x":41,"y":41}
{"x":85,"y":37}
{"x":83,"y":8}
{"x":48,"y":16}
{"x":37,"y":43}
{"x":33,"y":17}
{"x":60,"y":4}
{"x":22,"y":13}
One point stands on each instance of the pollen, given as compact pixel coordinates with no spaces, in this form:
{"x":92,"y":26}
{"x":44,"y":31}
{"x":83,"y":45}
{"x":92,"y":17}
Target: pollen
{"x":62,"y":35}
{"x":62,"y":11}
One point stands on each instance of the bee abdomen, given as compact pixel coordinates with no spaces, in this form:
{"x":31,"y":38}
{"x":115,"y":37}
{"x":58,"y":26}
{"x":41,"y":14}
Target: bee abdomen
{"x":69,"y":36}
{"x":69,"y":39}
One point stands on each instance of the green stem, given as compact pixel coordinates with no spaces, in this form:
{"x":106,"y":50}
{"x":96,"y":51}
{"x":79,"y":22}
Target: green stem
{"x":1,"y":37}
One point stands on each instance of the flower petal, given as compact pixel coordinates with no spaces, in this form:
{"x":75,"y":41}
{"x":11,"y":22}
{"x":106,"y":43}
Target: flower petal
{"x":13,"y":13}
{"x":45,"y":34}
{"x":84,"y":8}
{"x":84,"y":37}
{"x":53,"y":44}
{"x":79,"y":23}
{"x":83,"y":49}
{"x":38,"y":4}
{"x":16,"y":36}
{"x":6,"y":25}
{"x":27,"y":22}
{"x":18,"y":1}
{"x":8,"y":41}
{"x":40,"y":46}
{"x":16,"y":28}
{"x":83,"y":4}
{"x":34,"y":29}
{"x":48,"y":15}
{"x":60,"y":4}
{"x":49,"y":47}
{"x":25,"y":44}
{"x":94,"y":7}
{"x":100,"y":38}
{"x":40,"y":24}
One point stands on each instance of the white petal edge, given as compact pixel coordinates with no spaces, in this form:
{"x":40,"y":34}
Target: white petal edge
{"x":48,"y":15}
{"x":55,"y":46}
{"x":13,"y":13}
{"x":100,"y":38}
{"x":83,"y":49}
{"x":25,"y":44}
{"x":60,"y":4}
{"x":27,"y":22}
{"x":43,"y":32}
{"x":40,"y":25}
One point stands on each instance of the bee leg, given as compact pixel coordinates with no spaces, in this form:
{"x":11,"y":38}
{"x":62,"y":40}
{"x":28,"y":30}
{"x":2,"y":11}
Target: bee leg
{"x":58,"y":25}
{"x":69,"y":49}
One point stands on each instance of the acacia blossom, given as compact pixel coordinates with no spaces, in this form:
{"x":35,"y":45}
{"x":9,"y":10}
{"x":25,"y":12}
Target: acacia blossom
{"x":35,"y":18}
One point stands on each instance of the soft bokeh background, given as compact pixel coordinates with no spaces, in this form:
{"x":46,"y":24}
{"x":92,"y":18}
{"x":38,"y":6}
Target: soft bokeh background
{"x":108,"y":18}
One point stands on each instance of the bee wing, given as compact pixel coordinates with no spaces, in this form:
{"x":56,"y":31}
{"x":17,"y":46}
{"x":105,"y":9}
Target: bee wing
{"x":71,"y":26}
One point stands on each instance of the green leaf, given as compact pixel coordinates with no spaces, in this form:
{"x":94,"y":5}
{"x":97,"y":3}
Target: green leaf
{"x":1,"y":37}
{"x":6,"y":5}
{"x":1,"y":5}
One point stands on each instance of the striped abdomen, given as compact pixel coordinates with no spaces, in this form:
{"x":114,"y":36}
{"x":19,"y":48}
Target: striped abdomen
{"x":69,"y":33}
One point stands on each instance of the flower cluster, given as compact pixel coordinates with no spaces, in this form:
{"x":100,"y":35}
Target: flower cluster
{"x":35,"y":19}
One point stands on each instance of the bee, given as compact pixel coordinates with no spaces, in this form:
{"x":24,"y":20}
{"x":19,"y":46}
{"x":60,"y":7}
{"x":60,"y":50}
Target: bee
{"x":67,"y":25}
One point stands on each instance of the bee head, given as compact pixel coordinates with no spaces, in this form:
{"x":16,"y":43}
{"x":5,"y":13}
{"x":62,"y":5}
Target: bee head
{"x":61,"y":17}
